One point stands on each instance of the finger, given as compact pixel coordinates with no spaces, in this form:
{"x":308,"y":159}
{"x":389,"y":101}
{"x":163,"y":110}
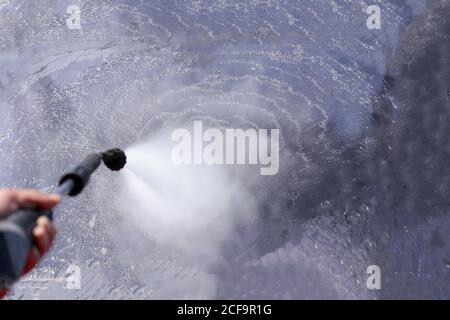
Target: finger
{"x":34,"y":199}
{"x":7,"y":202}
{"x":49,"y":227}
{"x":41,"y":239}
{"x":43,"y":234}
{"x":33,"y":258}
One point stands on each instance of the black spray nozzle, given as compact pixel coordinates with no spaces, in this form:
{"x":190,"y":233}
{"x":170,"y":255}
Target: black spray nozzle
{"x":114,"y":159}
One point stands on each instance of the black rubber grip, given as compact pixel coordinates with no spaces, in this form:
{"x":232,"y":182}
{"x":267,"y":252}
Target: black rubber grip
{"x":16,"y":241}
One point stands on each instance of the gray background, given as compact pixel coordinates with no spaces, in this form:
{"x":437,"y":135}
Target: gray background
{"x":364,"y":118}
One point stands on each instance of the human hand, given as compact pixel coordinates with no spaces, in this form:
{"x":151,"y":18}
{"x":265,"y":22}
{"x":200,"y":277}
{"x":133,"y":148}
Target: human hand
{"x":44,"y":233}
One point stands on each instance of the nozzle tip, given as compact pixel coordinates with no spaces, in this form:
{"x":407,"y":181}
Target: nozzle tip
{"x":114,"y":159}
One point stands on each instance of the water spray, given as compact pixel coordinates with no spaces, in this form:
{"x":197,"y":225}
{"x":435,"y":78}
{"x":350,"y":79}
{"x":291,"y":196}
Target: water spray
{"x":16,"y":231}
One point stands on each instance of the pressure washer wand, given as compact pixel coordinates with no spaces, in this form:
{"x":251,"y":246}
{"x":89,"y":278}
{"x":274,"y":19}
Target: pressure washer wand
{"x":65,"y":188}
{"x":16,"y":231}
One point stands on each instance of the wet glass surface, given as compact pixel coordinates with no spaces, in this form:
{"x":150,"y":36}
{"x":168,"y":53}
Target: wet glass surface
{"x":364,"y":118}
